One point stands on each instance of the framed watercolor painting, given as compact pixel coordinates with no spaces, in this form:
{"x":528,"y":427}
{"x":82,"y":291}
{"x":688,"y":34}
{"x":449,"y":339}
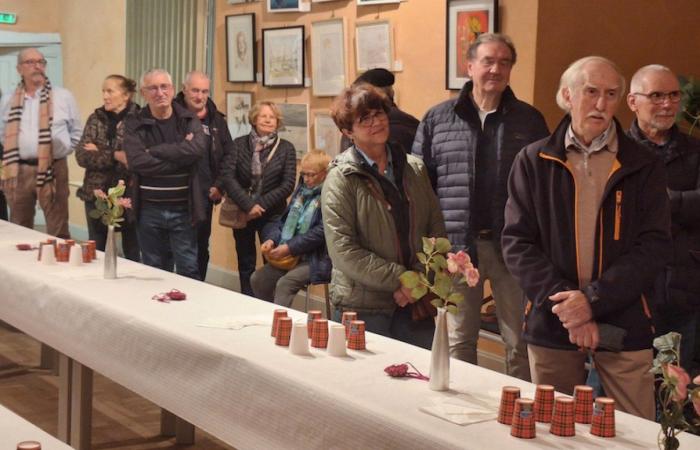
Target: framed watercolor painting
{"x":295,"y":126}
{"x":238,"y":106}
{"x":240,"y":48}
{"x":373,"y":45}
{"x":327,"y":57}
{"x":466,"y":20}
{"x":326,"y":134}
{"x":283,"y":56}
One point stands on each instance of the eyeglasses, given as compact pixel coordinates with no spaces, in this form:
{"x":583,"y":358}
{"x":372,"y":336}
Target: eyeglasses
{"x":162,"y":87}
{"x":368,"y":120}
{"x":34,"y":62}
{"x":658,"y":98}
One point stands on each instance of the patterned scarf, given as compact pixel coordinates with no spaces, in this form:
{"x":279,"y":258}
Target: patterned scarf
{"x":259,"y":144}
{"x":301,"y":212}
{"x":45,"y":184}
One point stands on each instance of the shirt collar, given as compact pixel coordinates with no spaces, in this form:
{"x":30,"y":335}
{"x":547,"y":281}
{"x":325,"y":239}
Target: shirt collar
{"x":603,"y":142}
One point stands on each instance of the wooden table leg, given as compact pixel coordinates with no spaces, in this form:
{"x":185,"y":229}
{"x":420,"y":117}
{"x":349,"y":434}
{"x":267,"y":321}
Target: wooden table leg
{"x":172,"y":425}
{"x":48,"y":358}
{"x":167,"y":423}
{"x":64,"y":397}
{"x":81,"y":407}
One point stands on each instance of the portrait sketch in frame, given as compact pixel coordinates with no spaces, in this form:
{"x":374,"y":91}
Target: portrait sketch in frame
{"x":283,"y":56}
{"x":328,"y":57}
{"x":295,"y":126}
{"x":376,"y":2}
{"x":373,"y":45}
{"x":238,"y":106}
{"x":326,"y":134}
{"x":466,"y":20}
{"x":240,"y":48}
{"x":275,"y":6}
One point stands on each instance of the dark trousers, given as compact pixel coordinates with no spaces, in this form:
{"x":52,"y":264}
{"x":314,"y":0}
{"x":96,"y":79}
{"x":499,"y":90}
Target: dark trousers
{"x":3,"y":206}
{"x":97,"y":231}
{"x":247,"y":252}
{"x":203,"y":234}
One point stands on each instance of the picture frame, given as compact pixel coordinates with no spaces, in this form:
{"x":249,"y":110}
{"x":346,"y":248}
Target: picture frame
{"x":295,"y":126}
{"x":238,"y":105}
{"x":328,"y":69}
{"x":326,"y":134}
{"x":236,"y":2}
{"x":283,"y":56}
{"x":373,"y":45}
{"x":466,"y":19}
{"x":376,"y":2}
{"x":241,"y":55}
{"x":279,"y":6}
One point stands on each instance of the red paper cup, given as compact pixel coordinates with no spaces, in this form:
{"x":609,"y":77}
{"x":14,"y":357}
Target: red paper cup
{"x":275,"y":317}
{"x":508,"y":396}
{"x":603,"y":419}
{"x":310,"y":317}
{"x":92,"y":245}
{"x":348,"y":316}
{"x":563,"y":417}
{"x":70,"y":241}
{"x":523,"y":425}
{"x":63,"y":252}
{"x":86,"y":253}
{"x":356,"y":339}
{"x":29,"y":445}
{"x":284,"y":331}
{"x":544,"y":402}
{"x":583,"y":403}
{"x":319,"y":333}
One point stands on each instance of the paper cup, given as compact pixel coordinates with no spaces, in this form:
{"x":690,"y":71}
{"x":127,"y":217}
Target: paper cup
{"x":86,"y":253}
{"x":356,"y":339}
{"x":310,"y":317}
{"x":29,"y":445}
{"x":583,"y":403}
{"x":336,"y":341}
{"x":299,"y":341}
{"x":275,"y":317}
{"x":348,"y":316}
{"x":319,"y":333}
{"x":508,"y":396}
{"x":76,"y":255}
{"x":523,"y":425}
{"x":603,"y":418}
{"x":284,"y":331}
{"x":544,"y":403}
{"x":92,"y":245}
{"x":63,"y":252}
{"x":48,"y":255}
{"x":563,"y":417}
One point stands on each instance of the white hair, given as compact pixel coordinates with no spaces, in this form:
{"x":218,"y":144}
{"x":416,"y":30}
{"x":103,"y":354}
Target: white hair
{"x":573,"y":76}
{"x":155,"y":72}
{"x":636,"y":85}
{"x":192,"y":74}
{"x":24,"y":51}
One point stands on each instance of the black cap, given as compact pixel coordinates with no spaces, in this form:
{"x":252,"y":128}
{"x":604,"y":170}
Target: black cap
{"x":376,"y":77}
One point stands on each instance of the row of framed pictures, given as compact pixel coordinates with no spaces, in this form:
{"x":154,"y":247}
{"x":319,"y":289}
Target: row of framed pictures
{"x":296,"y":124}
{"x":303,"y":5}
{"x":284,"y":54}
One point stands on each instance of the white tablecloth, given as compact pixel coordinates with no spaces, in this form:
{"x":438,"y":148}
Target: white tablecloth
{"x":14,"y":429}
{"x":239,"y":386}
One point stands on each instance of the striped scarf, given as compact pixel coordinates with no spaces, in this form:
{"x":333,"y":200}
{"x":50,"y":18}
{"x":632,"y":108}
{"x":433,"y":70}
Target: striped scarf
{"x":45,"y":184}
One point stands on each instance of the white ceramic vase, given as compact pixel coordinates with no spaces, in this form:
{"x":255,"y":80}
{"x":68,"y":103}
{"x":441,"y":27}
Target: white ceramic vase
{"x":440,"y":354}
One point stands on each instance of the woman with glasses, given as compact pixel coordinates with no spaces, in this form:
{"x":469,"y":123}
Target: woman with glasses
{"x":377,"y":205}
{"x":258,"y":176}
{"x":294,"y":246}
{"x":100,"y":153}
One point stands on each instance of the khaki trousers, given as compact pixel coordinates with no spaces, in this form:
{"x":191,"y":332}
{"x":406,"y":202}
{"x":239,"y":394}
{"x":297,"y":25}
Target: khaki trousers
{"x":23,"y":208}
{"x":625,"y":375}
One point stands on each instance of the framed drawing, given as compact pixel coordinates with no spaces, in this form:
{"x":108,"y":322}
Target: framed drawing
{"x":376,"y":2}
{"x":373,"y":45}
{"x":235,"y":2}
{"x":274,"y":6}
{"x":328,"y":57}
{"x":295,"y":126}
{"x":238,"y":106}
{"x":326,"y":134}
{"x":240,"y":48}
{"x":466,"y":20}
{"x":283,"y":56}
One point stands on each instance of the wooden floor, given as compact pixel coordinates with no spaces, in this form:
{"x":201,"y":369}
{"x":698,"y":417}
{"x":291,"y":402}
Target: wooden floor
{"x":121,"y":419}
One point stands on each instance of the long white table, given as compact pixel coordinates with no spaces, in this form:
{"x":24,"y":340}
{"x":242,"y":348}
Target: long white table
{"x":236,"y":384}
{"x":14,"y":429}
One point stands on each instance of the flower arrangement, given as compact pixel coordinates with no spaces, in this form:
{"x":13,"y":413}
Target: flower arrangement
{"x":110,"y":207}
{"x":672,"y":393}
{"x":441,"y":269}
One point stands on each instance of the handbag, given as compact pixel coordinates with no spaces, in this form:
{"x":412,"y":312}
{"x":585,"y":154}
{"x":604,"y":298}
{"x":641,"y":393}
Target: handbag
{"x":287,"y":263}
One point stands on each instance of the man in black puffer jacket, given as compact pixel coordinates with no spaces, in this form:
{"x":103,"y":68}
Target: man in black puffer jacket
{"x":468,"y":145}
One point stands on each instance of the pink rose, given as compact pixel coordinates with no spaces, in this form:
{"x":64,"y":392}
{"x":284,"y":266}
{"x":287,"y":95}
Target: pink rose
{"x":124,"y":202}
{"x":99,"y":193}
{"x":472,"y":276}
{"x":458,"y":262}
{"x":679,"y":377}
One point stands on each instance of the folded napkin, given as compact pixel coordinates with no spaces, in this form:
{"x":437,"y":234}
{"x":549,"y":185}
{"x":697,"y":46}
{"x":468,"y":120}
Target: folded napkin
{"x":458,"y":411}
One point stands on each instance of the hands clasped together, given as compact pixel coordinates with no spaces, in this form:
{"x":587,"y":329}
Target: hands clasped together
{"x":576,"y":315}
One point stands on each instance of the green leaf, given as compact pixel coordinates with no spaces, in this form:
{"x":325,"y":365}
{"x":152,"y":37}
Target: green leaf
{"x":409,"y":279}
{"x":95,"y":214}
{"x":452,"y":309}
{"x":116,"y":191}
{"x":443,"y":285}
{"x":423,"y":279}
{"x":669,"y":341}
{"x":437,"y":302}
{"x":440,"y":261}
{"x":422,"y":258}
{"x":442,"y":245}
{"x":418,"y":292}
{"x":428,"y":246}
{"x":455,"y":298}
{"x":102,"y":206}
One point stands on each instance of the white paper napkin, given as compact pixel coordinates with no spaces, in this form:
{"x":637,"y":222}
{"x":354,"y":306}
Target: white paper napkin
{"x":458,"y":411}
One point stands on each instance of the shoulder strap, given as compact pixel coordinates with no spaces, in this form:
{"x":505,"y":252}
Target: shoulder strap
{"x":274,"y":149}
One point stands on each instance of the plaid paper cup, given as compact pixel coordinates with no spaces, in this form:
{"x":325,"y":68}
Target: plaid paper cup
{"x":348,"y":316}
{"x":508,"y":396}
{"x":92,"y":245}
{"x":310,"y":317}
{"x":319,"y":333}
{"x":603,"y":419}
{"x":583,"y":403}
{"x":29,"y":445}
{"x":544,"y":402}
{"x":563,"y":417}
{"x":356,"y":339}
{"x":523,"y":425}
{"x":86,"y":253}
{"x":275,"y":317}
{"x":284,"y":331}
{"x":63,"y":252}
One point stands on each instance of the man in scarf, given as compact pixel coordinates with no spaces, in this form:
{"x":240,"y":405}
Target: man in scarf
{"x":39,"y":126}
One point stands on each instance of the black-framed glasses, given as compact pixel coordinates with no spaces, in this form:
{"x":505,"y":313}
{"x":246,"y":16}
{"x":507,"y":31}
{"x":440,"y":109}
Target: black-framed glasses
{"x":658,"y":97}
{"x":370,"y":118}
{"x":34,"y":62}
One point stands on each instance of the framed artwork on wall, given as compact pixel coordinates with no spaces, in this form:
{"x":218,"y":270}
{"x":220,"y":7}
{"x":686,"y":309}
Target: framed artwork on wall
{"x":328,"y":57}
{"x":295,"y":126}
{"x":326,"y":134}
{"x":235,"y":2}
{"x":283,"y":56}
{"x":275,"y":6}
{"x":466,"y":20}
{"x":238,"y":106}
{"x":240,"y":48}
{"x":376,"y":2}
{"x":373,"y":45}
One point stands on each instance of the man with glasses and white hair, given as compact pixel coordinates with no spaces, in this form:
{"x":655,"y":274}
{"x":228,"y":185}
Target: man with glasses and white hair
{"x":587,"y":230}
{"x":164,"y":143}
{"x":39,"y":126}
{"x":655,"y":99}
{"x":468,"y":145}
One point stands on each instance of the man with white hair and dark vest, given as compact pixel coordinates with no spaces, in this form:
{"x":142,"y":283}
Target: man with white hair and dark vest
{"x":587,"y":230}
{"x":39,"y":126}
{"x":654,"y":97}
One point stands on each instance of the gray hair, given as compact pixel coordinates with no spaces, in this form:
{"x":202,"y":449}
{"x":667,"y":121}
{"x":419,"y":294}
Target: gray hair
{"x":24,"y":51}
{"x":155,"y":72}
{"x":573,"y":77}
{"x":638,"y":77}
{"x":485,"y":38}
{"x":192,"y":74}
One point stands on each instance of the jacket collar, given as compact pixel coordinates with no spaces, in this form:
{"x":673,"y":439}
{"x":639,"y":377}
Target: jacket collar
{"x":352,"y":162}
{"x":467,"y":111}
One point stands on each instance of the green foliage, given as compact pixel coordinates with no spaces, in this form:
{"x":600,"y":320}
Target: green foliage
{"x":107,"y":208}
{"x":690,"y":101}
